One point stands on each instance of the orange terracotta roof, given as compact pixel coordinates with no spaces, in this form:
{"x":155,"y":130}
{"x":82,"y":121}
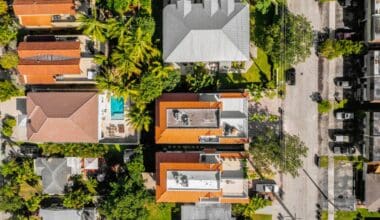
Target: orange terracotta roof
{"x":43,"y":7}
{"x":39,"y":79}
{"x":62,"y":117}
{"x":165,"y":135}
{"x":31,"y":67}
{"x":57,"y":48}
{"x":188,"y":162}
{"x":180,"y":161}
{"x":36,"y":20}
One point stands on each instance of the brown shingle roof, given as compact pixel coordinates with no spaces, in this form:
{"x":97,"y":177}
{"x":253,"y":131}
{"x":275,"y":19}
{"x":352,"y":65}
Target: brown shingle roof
{"x":43,"y":7}
{"x":58,"y":48}
{"x":62,"y":117}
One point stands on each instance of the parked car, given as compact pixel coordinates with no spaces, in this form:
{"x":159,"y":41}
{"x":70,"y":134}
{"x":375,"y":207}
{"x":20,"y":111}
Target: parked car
{"x":342,"y":138}
{"x":347,"y":150}
{"x":344,"y":116}
{"x":291,"y":76}
{"x":344,"y":83}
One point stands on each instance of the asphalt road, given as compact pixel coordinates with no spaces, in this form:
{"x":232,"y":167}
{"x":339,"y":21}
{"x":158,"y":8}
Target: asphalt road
{"x":300,"y":196}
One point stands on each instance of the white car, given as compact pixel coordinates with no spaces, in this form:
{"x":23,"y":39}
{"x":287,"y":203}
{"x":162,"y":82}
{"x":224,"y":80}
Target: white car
{"x":339,"y":138}
{"x":267,"y":188}
{"x":344,"y":116}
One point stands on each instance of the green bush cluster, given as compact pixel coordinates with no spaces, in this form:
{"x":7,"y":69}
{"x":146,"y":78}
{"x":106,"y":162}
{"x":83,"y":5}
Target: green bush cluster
{"x":335,"y":48}
{"x":9,"y":60}
{"x":9,"y":90}
{"x":8,"y":124}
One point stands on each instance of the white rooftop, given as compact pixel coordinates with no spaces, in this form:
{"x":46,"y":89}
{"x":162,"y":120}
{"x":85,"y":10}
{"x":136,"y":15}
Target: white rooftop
{"x":193,"y":180}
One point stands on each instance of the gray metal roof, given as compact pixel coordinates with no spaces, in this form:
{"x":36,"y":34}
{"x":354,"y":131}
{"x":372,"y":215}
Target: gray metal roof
{"x":65,"y":214}
{"x":206,"y":212}
{"x":210,"y":32}
{"x":54,"y":173}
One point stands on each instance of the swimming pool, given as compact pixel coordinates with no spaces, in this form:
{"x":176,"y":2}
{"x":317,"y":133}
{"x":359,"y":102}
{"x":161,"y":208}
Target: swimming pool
{"x":117,"y":108}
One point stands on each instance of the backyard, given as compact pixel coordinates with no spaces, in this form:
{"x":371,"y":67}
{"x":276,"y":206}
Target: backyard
{"x":260,"y":71}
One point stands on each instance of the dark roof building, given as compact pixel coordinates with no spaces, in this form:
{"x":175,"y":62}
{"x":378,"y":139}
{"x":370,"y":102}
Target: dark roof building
{"x":206,"y":211}
{"x":68,"y":214}
{"x":372,"y":183}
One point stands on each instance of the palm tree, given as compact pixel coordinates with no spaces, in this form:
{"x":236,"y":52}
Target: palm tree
{"x":116,"y":84}
{"x":141,"y":47}
{"x":119,"y":28}
{"x":159,"y":70}
{"x":139,"y":118}
{"x":93,"y":27}
{"x":123,"y":62}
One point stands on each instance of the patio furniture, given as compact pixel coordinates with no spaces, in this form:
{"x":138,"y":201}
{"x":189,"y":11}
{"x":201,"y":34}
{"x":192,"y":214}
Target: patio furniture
{"x":120,"y":128}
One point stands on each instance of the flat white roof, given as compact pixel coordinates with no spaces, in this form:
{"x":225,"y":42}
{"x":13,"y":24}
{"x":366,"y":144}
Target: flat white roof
{"x":192,"y":180}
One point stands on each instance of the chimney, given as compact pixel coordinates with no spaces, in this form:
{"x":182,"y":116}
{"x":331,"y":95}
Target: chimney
{"x":228,"y":6}
{"x":211,"y":6}
{"x":184,"y":6}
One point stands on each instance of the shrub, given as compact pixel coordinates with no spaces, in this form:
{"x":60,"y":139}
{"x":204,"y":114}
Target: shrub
{"x":335,"y":48}
{"x":8,"y":90}
{"x":324,"y":106}
{"x":9,"y":60}
{"x":8,"y":124}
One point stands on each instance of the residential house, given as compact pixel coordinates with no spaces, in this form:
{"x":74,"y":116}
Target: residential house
{"x":371,"y":137}
{"x":57,"y":60}
{"x":372,"y":183}
{"x":64,"y":214}
{"x":50,"y":13}
{"x":78,"y":117}
{"x":206,"y":211}
{"x":203,"y":118}
{"x":372,"y":18}
{"x":370,"y":83}
{"x":215,"y":32}
{"x":56,"y":172}
{"x":201,"y":177}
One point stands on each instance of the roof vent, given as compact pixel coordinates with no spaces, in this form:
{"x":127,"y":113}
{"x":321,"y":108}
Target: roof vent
{"x":228,"y":6}
{"x":211,"y":6}
{"x":184,"y":6}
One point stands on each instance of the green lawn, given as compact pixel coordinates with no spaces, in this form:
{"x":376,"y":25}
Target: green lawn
{"x":261,"y":217}
{"x":159,"y":212}
{"x":347,"y":215}
{"x":260,"y":70}
{"x":323,"y":161}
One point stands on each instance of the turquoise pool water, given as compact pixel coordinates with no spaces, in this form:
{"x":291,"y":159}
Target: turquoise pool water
{"x":117,"y":108}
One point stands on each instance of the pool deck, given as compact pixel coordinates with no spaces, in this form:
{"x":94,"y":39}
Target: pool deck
{"x":114,"y":131}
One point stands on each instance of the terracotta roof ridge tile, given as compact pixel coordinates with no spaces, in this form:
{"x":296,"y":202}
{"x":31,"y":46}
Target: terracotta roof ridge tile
{"x":75,"y":110}
{"x":36,"y":108}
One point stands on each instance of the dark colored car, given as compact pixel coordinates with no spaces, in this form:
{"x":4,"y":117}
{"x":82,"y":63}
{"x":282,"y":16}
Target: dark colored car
{"x":291,"y":76}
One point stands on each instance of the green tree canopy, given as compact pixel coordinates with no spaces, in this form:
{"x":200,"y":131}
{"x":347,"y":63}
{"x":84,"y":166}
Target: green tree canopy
{"x":335,"y":48}
{"x":8,"y":90}
{"x":287,"y":40}
{"x":267,"y":151}
{"x":9,"y":60}
{"x":81,"y":193}
{"x":200,"y":78}
{"x":139,"y":118}
{"x":93,"y":27}
{"x":8,"y":30}
{"x":128,"y":197}
{"x":3,"y":7}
